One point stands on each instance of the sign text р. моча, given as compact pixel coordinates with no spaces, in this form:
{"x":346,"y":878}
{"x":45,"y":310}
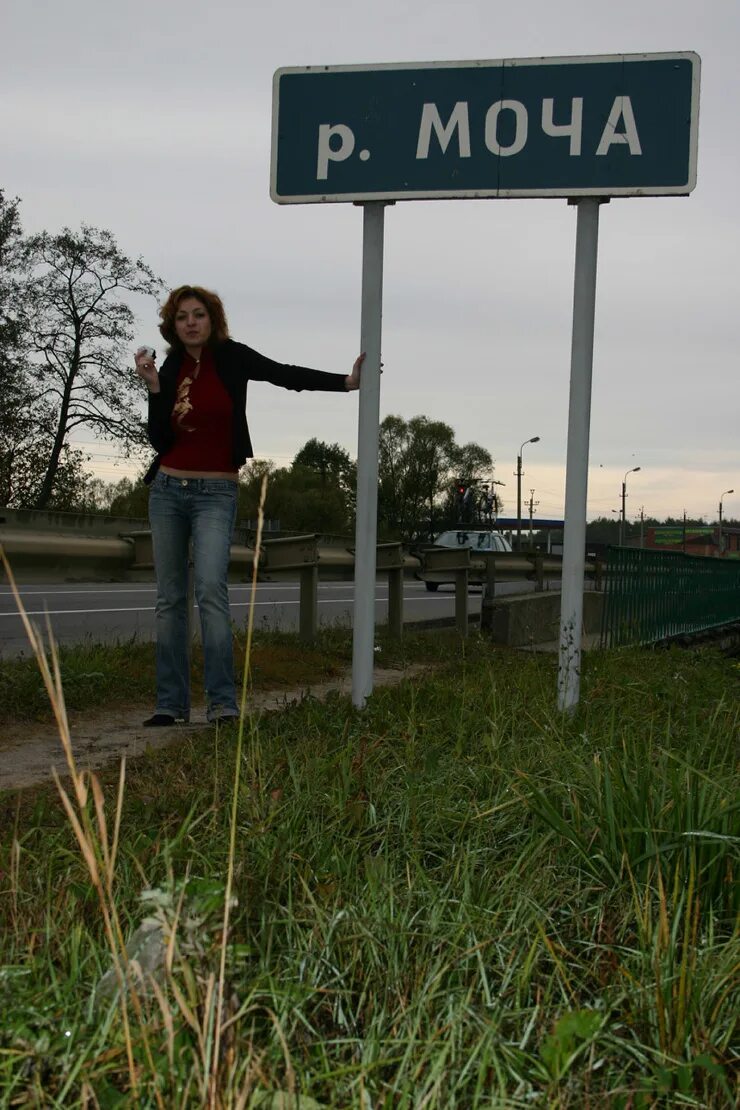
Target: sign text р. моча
{"x":615,"y":125}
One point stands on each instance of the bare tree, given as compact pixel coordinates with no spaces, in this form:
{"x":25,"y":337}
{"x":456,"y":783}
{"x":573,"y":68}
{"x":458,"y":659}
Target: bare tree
{"x":12,"y":365}
{"x":79,"y":330}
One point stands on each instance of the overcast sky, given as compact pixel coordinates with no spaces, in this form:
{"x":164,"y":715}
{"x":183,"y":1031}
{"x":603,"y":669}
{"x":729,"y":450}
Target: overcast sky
{"x":152,"y":118}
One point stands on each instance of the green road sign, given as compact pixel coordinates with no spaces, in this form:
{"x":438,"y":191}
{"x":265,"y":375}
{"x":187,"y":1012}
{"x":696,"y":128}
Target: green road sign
{"x":613,"y":125}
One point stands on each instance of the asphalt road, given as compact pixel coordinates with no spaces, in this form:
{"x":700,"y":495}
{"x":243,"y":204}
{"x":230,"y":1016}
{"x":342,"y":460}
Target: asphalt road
{"x":105,"y":613}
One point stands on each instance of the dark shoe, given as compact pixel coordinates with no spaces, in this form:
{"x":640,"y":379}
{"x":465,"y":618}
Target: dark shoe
{"x":226,"y":719}
{"x":162,"y":720}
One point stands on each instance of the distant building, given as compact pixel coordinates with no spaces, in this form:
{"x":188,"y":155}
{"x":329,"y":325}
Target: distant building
{"x":694,"y":539}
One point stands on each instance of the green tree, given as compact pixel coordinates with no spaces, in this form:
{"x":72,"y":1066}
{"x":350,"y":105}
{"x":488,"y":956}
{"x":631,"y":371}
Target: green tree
{"x":302,"y":497}
{"x":471,"y":462}
{"x":303,"y":503}
{"x":418,"y":462}
{"x":250,"y":487}
{"x":337,"y":471}
{"x":329,"y":460}
{"x":393,"y":446}
{"x":78,"y":329}
{"x":431,"y":460}
{"x":128,"y":497}
{"x":605,"y":529}
{"x":689,"y":521}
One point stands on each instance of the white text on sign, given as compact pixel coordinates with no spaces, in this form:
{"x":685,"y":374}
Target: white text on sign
{"x":620,"y":127}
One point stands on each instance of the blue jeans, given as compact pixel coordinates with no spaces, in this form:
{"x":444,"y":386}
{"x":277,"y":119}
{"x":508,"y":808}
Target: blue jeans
{"x":204,"y":510}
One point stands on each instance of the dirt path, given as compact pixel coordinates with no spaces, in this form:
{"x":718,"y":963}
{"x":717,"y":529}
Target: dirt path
{"x":30,"y":751}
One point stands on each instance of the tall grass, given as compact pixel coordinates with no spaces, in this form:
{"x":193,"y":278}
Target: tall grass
{"x":456,"y":898}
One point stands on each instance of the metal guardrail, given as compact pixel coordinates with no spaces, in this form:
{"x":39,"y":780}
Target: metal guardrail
{"x":451,"y":564}
{"x":462,"y":566}
{"x":301,"y":554}
{"x":240,"y":561}
{"x":650,"y":595}
{"x":655,"y":595}
{"x":506,"y":566}
{"x":66,"y":555}
{"x":304,"y":555}
{"x":39,"y":553}
{"x":391,"y":560}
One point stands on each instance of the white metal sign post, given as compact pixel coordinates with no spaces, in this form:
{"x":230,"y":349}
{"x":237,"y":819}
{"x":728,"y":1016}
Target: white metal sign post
{"x":585,"y":128}
{"x":576,"y":479}
{"x":366,"y":531}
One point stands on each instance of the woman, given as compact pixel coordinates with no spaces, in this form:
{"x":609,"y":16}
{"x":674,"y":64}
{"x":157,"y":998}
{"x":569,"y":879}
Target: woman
{"x":197,"y":425}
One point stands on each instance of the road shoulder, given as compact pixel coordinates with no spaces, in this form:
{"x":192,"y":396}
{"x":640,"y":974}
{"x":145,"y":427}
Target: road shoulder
{"x":29,"y":752}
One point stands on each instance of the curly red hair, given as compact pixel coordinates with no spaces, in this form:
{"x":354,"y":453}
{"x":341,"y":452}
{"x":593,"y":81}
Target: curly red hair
{"x":210,"y":301}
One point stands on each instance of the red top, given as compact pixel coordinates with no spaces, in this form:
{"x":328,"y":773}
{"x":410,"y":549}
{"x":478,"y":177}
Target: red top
{"x":201,"y":419}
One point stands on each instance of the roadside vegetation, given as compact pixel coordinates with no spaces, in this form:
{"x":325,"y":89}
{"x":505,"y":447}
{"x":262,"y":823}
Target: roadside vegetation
{"x":98,"y":675}
{"x":455,"y":898}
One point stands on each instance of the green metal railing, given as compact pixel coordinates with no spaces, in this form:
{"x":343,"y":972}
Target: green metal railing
{"x":653,"y":595}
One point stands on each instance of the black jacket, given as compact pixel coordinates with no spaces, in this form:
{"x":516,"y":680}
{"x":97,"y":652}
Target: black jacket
{"x":235,"y":364}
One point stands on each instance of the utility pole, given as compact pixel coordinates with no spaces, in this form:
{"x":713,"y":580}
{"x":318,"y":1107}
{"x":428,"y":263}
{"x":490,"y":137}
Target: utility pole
{"x":642,"y":526}
{"x":683,"y":534}
{"x":532,"y":504}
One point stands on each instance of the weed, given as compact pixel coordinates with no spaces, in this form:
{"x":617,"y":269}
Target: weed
{"x":457,"y":897}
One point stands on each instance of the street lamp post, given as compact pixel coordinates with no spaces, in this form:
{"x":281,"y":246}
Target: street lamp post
{"x":719,"y":538}
{"x":623,"y":519}
{"x":534,"y":439}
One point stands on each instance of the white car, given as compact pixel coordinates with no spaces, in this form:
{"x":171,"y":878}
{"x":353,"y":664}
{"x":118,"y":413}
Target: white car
{"x":464,"y":537}
{"x":476,"y":541}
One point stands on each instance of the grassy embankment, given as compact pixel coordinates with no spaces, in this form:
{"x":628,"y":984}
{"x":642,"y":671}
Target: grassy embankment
{"x":98,"y":676}
{"x":456,"y":898}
